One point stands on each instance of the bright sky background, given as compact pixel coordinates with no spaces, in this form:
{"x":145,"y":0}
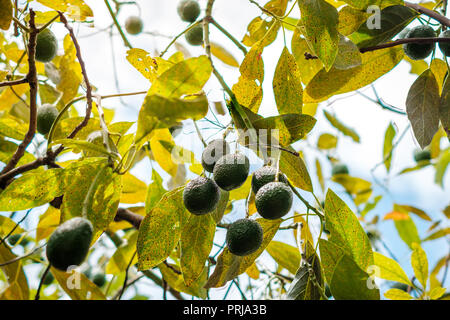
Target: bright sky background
{"x":368,"y":119}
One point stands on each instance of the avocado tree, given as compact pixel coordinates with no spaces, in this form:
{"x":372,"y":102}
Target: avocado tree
{"x":260,"y":207}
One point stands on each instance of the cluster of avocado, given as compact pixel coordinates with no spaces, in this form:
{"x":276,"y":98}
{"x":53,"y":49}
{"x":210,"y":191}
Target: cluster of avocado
{"x":273,"y":196}
{"x":69,"y":243}
{"x":134,"y":25}
{"x":189,"y":10}
{"x":419,"y":51}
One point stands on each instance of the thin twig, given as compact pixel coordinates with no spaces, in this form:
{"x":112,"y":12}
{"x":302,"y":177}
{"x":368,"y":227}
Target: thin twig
{"x":13,"y":82}
{"x":432,"y":14}
{"x":122,"y":34}
{"x":126,"y":276}
{"x":38,"y":292}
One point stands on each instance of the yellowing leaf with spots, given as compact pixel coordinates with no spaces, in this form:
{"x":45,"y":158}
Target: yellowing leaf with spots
{"x":223,"y":55}
{"x":75,"y":9}
{"x":287,"y":86}
{"x":161,"y":229}
{"x":248,"y":93}
{"x":77,"y":285}
{"x":143,"y":62}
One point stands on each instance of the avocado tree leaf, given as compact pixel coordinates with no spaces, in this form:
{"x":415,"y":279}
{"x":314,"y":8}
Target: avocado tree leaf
{"x":122,"y":256}
{"x":327,"y":141}
{"x":196,"y":242}
{"x":397,"y":294}
{"x":348,"y":55}
{"x":48,"y":222}
{"x":338,"y":124}
{"x":285,"y":255}
{"x":307,"y":68}
{"x":77,"y":285}
{"x":134,"y":190}
{"x":33,"y":189}
{"x":287,"y":86}
{"x":320,"y":20}
{"x":419,"y":263}
{"x":7,"y":225}
{"x":295,"y":169}
{"x":6,"y":11}
{"x":346,"y":231}
{"x":83,"y":145}
{"x":161,"y":112}
{"x":375,"y":64}
{"x":363,"y":4}
{"x":15,"y":276}
{"x":302,"y":287}
{"x":252,"y":67}
{"x":7,"y":150}
{"x":406,"y":227}
{"x":12,"y":127}
{"x":361,"y":189}
{"x":223,"y":55}
{"x":350,"y":19}
{"x":438,"y":234}
{"x":393,"y":19}
{"x":230,"y":266}
{"x":185,"y":77}
{"x":387,"y":146}
{"x":155,"y":191}
{"x":248,"y":93}
{"x":218,"y":213}
{"x":444,"y":107}
{"x":422,"y":107}
{"x":160,"y":230}
{"x":174,"y":278}
{"x":390,"y":269}
{"x":441,"y":166}
{"x":75,"y":9}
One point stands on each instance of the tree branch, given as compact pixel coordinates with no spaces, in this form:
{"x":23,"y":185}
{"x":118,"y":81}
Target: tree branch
{"x":403,"y":41}
{"x":13,"y":82}
{"x":432,"y":14}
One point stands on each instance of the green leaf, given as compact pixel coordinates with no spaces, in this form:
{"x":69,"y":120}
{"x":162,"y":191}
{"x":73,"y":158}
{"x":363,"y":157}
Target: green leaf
{"x":196,"y":242}
{"x":185,"y":77}
{"x":33,"y":189}
{"x":7,"y":150}
{"x":350,"y":19}
{"x":287,"y":86}
{"x":390,"y":269}
{"x":326,"y":84}
{"x":327,"y":141}
{"x":320,"y":20}
{"x":77,"y":285}
{"x":308,"y":68}
{"x":422,"y":107}
{"x":6,"y":11}
{"x":346,"y":231}
{"x":252,"y":67}
{"x":361,"y":189}
{"x":12,"y":128}
{"x":397,"y":294}
{"x":295,"y":169}
{"x":348,"y":55}
{"x":387,"y":146}
{"x":160,"y":230}
{"x":393,"y":19}
{"x":160,"y":112}
{"x":155,"y":191}
{"x":75,"y":9}
{"x":444,"y":107}
{"x":122,"y":256}
{"x":441,"y":167}
{"x":419,"y":263}
{"x":406,"y":228}
{"x":230,"y":266}
{"x":347,"y":131}
{"x":14,"y":275}
{"x":285,"y":255}
{"x":175,"y":280}
{"x":83,"y":145}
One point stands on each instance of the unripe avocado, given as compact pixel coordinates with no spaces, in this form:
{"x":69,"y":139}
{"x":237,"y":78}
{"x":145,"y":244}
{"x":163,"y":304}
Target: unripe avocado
{"x":422,"y":155}
{"x":244,"y":237}
{"x":213,"y":152}
{"x":231,"y":171}
{"x":188,"y":10}
{"x":46,"y":115}
{"x":96,"y":137}
{"x":445,"y":46}
{"x":273,"y":200}
{"x":419,"y":51}
{"x":339,"y":168}
{"x":264,"y":175}
{"x":134,"y":25}
{"x":99,"y":279}
{"x":48,"y":279}
{"x":195,"y":36}
{"x":69,"y":243}
{"x":46,"y":46}
{"x":201,"y":196}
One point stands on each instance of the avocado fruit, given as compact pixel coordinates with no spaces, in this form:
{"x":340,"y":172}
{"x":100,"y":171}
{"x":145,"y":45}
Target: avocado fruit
{"x":201,"y":196}
{"x":69,"y":243}
{"x":445,"y":46}
{"x":134,"y":25}
{"x":195,"y":36}
{"x":419,"y":51}
{"x":264,"y":175}
{"x":213,"y":152}
{"x":188,"y":10}
{"x":46,"y":115}
{"x":244,"y":237}
{"x":273,"y":200}
{"x":46,"y":46}
{"x":231,"y":171}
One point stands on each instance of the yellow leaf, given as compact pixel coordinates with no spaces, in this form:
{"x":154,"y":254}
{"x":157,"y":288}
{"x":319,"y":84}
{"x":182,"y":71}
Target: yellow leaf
{"x":8,"y":97}
{"x":122,"y":256}
{"x":248,"y":93}
{"x":327,"y":141}
{"x":77,"y":285}
{"x":6,"y":11}
{"x":70,"y":72}
{"x":14,"y":276}
{"x":143,"y":62}
{"x":253,"y":271}
{"x":133,"y":189}
{"x":285,"y":255}
{"x":223,"y":55}
{"x":308,"y":67}
{"x":75,"y":9}
{"x":162,"y":156}
{"x":397,"y":294}
{"x":48,"y":222}
{"x":419,"y":263}
{"x":439,"y":68}
{"x":390,"y":269}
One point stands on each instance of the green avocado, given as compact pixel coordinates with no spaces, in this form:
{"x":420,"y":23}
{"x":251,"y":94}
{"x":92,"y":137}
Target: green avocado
{"x":422,"y":155}
{"x":419,"y":51}
{"x":264,"y":175}
{"x":46,"y":115}
{"x":445,"y":46}
{"x":99,"y":279}
{"x":201,"y":196}
{"x":244,"y":237}
{"x":188,"y":10}
{"x":46,"y":46}
{"x":339,"y":168}
{"x":231,"y":171}
{"x":195,"y":36}
{"x":134,"y":25}
{"x":69,"y":243}
{"x":213,"y":152}
{"x":273,"y":200}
